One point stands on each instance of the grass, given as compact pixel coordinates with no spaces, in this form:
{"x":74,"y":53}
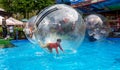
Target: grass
{"x":6,"y":43}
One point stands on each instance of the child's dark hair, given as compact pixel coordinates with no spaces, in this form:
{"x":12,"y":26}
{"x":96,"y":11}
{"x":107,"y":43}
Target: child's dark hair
{"x":58,"y":40}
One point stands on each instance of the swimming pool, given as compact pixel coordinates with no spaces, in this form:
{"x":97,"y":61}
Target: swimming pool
{"x":101,"y":55}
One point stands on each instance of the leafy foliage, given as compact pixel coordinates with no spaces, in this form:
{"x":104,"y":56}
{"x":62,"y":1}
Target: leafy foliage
{"x":25,"y":6}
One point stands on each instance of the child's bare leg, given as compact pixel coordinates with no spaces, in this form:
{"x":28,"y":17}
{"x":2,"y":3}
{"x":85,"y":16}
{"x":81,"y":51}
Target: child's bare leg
{"x":50,"y":49}
{"x":43,"y":45}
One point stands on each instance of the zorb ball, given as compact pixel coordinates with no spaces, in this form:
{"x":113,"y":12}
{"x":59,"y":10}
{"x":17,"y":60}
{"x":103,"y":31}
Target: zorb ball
{"x":97,"y":26}
{"x":60,"y":22}
{"x":29,"y":30}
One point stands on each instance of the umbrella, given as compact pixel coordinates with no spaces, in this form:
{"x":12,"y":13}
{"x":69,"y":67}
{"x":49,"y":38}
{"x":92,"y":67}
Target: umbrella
{"x":1,"y":9}
{"x":11,"y":21}
{"x":14,"y":21}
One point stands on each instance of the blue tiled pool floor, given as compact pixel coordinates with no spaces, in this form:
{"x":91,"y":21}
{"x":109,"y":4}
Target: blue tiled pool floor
{"x":101,"y":55}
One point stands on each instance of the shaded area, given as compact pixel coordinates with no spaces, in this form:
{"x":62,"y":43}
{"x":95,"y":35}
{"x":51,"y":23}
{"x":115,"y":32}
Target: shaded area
{"x":117,"y":60}
{"x":3,"y":13}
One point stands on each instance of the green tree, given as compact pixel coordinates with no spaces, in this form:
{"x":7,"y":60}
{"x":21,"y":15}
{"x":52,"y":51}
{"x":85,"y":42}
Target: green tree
{"x":1,"y":5}
{"x":41,"y":4}
{"x":25,"y":6}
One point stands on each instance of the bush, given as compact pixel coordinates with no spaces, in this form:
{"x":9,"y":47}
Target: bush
{"x":0,"y":29}
{"x":20,"y":32}
{"x":6,"y":43}
{"x":0,"y":32}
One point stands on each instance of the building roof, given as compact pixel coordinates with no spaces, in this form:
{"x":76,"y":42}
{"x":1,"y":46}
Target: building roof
{"x":88,"y":6}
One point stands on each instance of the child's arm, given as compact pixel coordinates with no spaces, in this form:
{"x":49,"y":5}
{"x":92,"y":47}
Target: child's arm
{"x":60,"y":48}
{"x":57,"y":50}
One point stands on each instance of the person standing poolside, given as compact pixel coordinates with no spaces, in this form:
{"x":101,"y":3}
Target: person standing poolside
{"x":4,"y":27}
{"x":11,"y":30}
{"x":50,"y":46}
{"x":16,"y":33}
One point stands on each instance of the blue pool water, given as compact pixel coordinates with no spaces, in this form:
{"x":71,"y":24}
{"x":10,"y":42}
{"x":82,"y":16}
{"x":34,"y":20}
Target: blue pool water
{"x":101,"y":55}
